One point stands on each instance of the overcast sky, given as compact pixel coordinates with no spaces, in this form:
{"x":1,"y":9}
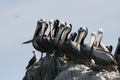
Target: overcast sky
{"x":18,"y":21}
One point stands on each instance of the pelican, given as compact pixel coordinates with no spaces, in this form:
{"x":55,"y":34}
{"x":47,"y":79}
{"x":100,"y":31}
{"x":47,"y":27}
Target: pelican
{"x":78,"y":54}
{"x":64,"y":36}
{"x":84,"y":48}
{"x":101,"y":58}
{"x":32,"y":60}
{"x":38,"y":35}
{"x":73,"y":36}
{"x":99,"y":44}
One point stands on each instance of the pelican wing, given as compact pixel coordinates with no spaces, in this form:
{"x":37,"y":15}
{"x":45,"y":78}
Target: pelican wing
{"x":102,"y":58}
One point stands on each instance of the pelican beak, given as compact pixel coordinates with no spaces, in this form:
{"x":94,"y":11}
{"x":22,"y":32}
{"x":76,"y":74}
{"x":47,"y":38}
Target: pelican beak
{"x":29,"y":41}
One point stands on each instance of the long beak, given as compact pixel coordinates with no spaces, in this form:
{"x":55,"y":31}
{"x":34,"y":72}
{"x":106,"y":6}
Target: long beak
{"x":29,"y":41}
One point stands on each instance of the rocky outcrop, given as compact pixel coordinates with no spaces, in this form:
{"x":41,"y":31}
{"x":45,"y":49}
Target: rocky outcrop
{"x":52,"y":68}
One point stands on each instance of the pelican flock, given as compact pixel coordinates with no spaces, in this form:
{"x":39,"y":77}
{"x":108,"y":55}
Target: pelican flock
{"x":62,"y":42}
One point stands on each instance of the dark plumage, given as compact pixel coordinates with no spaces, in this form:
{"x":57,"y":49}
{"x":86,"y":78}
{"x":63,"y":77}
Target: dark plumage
{"x":73,"y":36}
{"x":110,"y":48}
{"x":38,"y":36}
{"x":32,"y":61}
{"x":117,"y":54}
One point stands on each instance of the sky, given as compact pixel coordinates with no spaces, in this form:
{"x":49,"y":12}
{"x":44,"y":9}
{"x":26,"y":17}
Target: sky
{"x":18,"y":20}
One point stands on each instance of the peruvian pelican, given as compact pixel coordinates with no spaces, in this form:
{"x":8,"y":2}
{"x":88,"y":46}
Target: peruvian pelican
{"x":38,"y":35}
{"x":78,"y":54}
{"x":32,"y":60}
{"x":99,"y":44}
{"x":64,"y":37}
{"x":100,"y":57}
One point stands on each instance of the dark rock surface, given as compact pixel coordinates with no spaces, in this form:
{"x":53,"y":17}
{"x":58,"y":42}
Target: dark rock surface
{"x":52,"y":68}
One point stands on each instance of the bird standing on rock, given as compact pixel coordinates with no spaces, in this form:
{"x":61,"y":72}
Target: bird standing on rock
{"x":32,"y":60}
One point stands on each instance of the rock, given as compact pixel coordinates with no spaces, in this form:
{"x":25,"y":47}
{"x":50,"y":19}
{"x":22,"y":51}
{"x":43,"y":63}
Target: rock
{"x":52,"y":68}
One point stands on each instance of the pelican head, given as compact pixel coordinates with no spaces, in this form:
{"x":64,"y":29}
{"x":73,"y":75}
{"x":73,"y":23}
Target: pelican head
{"x":44,"y":20}
{"x":63,"y":23}
{"x":37,"y":31}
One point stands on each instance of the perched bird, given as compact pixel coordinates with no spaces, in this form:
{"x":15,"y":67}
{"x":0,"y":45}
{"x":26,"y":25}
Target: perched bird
{"x":38,"y":35}
{"x":32,"y":60}
{"x":99,"y":44}
{"x":103,"y":59}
